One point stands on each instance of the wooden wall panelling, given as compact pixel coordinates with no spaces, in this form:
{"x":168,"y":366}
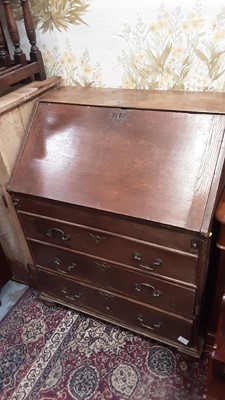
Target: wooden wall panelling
{"x":15,"y":111}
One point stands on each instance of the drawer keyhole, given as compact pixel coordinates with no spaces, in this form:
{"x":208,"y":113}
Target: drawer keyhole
{"x":102,"y":266}
{"x":97,"y":238}
{"x":106,"y":296}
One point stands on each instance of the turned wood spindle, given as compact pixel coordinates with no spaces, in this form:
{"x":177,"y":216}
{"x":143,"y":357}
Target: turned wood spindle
{"x":5,"y":60}
{"x":35,"y":54}
{"x":19,"y":56}
{"x":29,"y":25}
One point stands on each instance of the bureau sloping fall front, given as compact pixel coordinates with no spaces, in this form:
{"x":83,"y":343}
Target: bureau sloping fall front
{"x":115,"y":192}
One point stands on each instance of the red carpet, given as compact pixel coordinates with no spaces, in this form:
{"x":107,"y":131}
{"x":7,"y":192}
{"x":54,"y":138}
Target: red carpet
{"x":54,"y":353}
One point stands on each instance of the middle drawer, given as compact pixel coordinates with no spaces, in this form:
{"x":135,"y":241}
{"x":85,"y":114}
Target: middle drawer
{"x":113,"y":277}
{"x":123,"y":250}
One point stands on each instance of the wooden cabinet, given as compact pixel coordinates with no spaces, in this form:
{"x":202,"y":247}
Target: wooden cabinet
{"x":216,"y":330}
{"x":115,"y":191}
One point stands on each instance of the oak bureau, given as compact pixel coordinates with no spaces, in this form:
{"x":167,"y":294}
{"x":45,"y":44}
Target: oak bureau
{"x":115,"y":191}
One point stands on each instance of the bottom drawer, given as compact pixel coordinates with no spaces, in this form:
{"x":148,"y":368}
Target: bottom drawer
{"x":144,"y":319}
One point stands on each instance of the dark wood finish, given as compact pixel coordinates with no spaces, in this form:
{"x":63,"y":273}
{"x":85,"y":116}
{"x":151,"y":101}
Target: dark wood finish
{"x":220,"y":216}
{"x":216,"y":371}
{"x":122,"y":189}
{"x":216,"y":389}
{"x":5,"y":61}
{"x":143,"y":230}
{"x":35,"y":54}
{"x":220,"y":336}
{"x":31,"y":34}
{"x":188,"y":156}
{"x":19,"y":56}
{"x":120,"y":249}
{"x":17,"y":74}
{"x":18,"y":69}
{"x":102,"y":302}
{"x":200,"y":102}
{"x":115,"y":277}
{"x":216,"y":288}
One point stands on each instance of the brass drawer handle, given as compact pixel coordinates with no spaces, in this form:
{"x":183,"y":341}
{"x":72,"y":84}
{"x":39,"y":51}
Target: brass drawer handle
{"x":52,"y":231}
{"x":75,"y":297}
{"x":102,"y":266}
{"x":157,"y":263}
{"x":67,"y":269}
{"x":155,"y":293}
{"x":97,"y":238}
{"x":156,"y":325}
{"x":15,"y":201}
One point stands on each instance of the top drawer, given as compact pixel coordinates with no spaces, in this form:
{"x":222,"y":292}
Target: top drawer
{"x":120,"y":249}
{"x":138,"y":229}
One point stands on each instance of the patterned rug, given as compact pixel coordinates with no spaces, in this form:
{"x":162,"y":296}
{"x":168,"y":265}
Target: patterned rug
{"x":55,"y":353}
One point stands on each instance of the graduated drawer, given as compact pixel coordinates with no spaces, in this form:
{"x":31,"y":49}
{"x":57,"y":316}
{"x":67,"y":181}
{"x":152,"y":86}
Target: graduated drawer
{"x":112,"y":277}
{"x":141,"y":255}
{"x":102,"y":303}
{"x":119,"y":224}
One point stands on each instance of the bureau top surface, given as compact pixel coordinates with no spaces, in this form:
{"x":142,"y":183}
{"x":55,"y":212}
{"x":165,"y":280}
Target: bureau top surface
{"x":204,"y":102}
{"x":152,"y":164}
